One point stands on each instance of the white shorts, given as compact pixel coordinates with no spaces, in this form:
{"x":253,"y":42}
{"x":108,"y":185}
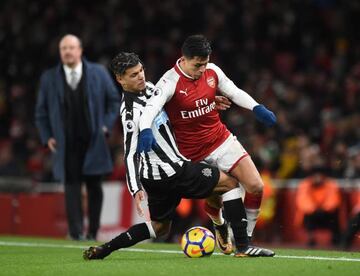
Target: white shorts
{"x":227,"y":155}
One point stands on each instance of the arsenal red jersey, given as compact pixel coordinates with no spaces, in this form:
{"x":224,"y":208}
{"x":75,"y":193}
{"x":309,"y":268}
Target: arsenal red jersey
{"x":190,"y":105}
{"x":193,"y":116}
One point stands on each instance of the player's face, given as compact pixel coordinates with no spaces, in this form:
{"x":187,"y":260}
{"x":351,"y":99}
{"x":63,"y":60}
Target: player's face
{"x":195,"y":66}
{"x":133,"y":80}
{"x":70,"y":50}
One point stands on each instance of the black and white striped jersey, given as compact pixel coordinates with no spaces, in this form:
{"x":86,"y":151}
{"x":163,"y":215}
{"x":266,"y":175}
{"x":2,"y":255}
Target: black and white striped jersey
{"x":160,"y":163}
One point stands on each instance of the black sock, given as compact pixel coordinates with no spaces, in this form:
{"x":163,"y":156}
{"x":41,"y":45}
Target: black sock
{"x":132,"y":236}
{"x":236,"y":216}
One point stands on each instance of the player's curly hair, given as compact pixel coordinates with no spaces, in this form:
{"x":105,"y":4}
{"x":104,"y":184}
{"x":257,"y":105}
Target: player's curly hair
{"x":123,"y":61}
{"x":196,"y":46}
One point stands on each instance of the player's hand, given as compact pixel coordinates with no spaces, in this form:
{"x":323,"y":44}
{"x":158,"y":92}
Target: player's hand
{"x":264,"y":115}
{"x":52,"y":144}
{"x":139,"y":197}
{"x":222,"y":103}
{"x":146,"y":141}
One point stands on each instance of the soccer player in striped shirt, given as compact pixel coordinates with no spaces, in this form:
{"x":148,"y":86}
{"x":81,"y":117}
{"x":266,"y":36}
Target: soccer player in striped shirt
{"x":188,"y":93}
{"x":162,"y":171}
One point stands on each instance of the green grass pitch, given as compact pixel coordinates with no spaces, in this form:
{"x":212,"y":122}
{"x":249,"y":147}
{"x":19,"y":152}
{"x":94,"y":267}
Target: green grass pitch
{"x":35,"y":256}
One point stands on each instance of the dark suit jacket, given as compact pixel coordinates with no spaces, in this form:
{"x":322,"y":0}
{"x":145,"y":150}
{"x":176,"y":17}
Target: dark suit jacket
{"x":103,"y":102}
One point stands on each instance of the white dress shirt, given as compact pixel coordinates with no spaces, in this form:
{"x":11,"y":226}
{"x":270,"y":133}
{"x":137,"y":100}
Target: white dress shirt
{"x":68,"y":73}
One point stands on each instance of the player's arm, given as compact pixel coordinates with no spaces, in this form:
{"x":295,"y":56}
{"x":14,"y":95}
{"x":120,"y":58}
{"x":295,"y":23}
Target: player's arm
{"x":130,"y":122}
{"x":241,"y":98}
{"x":230,"y":90}
{"x":162,"y":93}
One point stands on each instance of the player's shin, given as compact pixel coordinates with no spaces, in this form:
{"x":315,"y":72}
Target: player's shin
{"x":252,"y":204}
{"x":236,"y":216}
{"x":132,"y":236}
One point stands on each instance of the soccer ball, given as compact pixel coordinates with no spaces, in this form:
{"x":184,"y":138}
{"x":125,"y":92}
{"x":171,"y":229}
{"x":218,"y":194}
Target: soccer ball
{"x":198,"y":242}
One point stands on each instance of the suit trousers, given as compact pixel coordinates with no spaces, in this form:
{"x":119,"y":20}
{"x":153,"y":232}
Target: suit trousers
{"x":74,"y":206}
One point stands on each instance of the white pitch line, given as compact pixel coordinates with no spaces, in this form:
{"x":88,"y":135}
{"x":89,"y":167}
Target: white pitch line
{"x":340,"y":259}
{"x":51,"y":245}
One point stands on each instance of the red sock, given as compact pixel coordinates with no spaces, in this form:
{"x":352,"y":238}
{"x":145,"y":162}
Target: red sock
{"x":252,"y":205}
{"x":214,"y":214}
{"x":252,"y":201}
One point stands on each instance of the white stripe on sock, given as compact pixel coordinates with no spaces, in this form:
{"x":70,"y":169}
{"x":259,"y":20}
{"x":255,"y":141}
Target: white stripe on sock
{"x":232,"y":194}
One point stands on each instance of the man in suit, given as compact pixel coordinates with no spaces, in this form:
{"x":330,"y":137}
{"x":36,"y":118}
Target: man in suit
{"x":76,"y":108}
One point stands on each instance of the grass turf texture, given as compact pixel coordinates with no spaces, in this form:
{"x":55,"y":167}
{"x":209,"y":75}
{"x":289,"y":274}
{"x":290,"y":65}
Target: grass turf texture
{"x":34,"y":256}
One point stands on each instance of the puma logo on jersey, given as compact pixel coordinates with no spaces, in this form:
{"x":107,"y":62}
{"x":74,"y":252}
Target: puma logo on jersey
{"x":183,"y":92}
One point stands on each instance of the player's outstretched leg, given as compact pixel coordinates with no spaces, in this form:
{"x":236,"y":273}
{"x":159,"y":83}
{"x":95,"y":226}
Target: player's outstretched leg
{"x":132,"y":236}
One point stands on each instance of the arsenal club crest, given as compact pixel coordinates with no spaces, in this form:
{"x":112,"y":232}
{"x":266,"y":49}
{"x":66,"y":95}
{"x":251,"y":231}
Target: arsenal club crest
{"x":211,"y":82}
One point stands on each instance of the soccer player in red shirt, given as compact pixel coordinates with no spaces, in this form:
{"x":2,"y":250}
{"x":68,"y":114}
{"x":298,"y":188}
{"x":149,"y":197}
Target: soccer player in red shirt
{"x":187,"y":93}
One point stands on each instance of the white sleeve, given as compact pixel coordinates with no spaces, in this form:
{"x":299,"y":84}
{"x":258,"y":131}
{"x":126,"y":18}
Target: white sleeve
{"x":164,"y":91}
{"x":230,"y":90}
{"x":130,"y":124}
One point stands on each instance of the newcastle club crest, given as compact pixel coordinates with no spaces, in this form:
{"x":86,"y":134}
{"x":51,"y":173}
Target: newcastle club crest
{"x":207,"y":172}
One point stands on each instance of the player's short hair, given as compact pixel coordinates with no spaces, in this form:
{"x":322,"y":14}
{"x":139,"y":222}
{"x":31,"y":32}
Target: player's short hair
{"x":123,"y":61}
{"x":196,"y":46}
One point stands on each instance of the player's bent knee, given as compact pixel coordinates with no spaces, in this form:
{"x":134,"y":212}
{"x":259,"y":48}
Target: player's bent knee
{"x":256,"y":187}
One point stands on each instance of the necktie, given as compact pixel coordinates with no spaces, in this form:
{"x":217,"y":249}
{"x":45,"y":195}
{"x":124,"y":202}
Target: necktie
{"x":73,"y":80}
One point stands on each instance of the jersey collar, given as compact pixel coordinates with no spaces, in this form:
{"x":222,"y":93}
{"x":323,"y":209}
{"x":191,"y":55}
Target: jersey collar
{"x":180,"y":71}
{"x":133,"y":95}
{"x":147,"y":92}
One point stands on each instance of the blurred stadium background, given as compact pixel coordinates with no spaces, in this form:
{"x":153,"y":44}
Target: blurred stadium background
{"x":301,"y":58}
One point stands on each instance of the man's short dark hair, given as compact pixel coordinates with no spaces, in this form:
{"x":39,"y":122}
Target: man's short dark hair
{"x":196,"y":46}
{"x":124,"y":61}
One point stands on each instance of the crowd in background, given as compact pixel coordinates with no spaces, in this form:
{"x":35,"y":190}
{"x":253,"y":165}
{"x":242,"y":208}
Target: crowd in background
{"x":301,"y":59}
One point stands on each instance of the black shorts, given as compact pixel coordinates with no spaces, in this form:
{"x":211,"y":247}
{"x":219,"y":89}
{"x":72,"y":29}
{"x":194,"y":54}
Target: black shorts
{"x":194,"y":180}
